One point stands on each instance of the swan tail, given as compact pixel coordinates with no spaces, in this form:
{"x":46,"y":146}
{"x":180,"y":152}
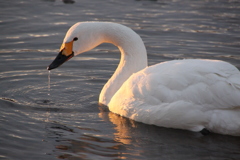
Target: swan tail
{"x":225,"y":121}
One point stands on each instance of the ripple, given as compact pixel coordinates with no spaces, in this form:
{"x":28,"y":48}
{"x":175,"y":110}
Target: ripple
{"x":44,"y":102}
{"x":8,"y":99}
{"x":31,"y":88}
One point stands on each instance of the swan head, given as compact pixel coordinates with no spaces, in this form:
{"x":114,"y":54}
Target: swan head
{"x":80,"y":38}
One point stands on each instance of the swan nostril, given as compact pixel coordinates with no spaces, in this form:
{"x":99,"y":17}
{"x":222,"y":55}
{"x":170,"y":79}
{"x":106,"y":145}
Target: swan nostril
{"x":75,"y":39}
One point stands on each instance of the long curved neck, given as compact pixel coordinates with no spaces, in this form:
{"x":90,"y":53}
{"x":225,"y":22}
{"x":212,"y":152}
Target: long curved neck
{"x":133,"y":58}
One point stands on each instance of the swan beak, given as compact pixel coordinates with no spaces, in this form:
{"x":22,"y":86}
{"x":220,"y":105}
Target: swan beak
{"x":64,"y":55}
{"x":59,"y":60}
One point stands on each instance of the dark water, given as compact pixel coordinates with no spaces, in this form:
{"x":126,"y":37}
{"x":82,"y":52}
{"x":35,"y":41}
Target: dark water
{"x":68,"y":123}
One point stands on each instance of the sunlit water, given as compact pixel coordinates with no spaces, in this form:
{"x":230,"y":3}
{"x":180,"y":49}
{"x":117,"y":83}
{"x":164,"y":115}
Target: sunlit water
{"x":57,"y":116}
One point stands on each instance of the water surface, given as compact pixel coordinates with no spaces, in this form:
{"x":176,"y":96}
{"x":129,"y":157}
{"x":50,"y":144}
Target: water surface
{"x":69,"y":123}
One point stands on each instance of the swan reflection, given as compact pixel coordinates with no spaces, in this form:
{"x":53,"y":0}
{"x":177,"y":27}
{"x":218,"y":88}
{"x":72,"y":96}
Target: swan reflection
{"x":123,"y":126}
{"x":121,"y":138}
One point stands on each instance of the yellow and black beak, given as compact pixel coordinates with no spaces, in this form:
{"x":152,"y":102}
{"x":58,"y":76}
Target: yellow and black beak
{"x":64,"y":55}
{"x":59,"y":60}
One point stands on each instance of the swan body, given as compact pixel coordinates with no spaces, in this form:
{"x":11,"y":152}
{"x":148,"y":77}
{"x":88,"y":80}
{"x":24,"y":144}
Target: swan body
{"x":187,"y":94}
{"x":192,"y":94}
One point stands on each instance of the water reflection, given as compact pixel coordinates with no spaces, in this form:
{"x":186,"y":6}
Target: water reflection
{"x":166,"y":142}
{"x":87,"y":146}
{"x":133,"y":140}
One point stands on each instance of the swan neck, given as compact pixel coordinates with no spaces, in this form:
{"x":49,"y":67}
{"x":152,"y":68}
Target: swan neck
{"x":133,"y":59}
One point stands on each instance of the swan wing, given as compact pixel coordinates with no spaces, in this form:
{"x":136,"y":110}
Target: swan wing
{"x":179,"y":94}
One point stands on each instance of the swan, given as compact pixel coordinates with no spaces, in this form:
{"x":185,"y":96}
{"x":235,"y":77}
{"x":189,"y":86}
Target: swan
{"x":190,"y":94}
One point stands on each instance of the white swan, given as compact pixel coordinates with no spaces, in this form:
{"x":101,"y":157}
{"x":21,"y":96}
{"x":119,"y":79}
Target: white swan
{"x":186,"y":94}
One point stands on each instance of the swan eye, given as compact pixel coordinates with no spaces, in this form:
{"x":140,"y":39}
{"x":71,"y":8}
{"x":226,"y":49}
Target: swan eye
{"x":75,"y":39}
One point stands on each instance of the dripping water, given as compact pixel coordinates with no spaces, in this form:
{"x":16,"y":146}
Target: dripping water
{"x":49,"y":93}
{"x":49,"y":83}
